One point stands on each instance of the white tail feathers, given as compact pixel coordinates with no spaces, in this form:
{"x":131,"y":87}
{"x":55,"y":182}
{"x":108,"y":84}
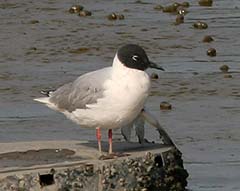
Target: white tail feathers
{"x":43,"y":100}
{"x":46,"y":101}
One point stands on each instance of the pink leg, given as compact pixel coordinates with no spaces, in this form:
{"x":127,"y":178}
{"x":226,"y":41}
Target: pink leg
{"x":98,"y":135}
{"x":110,"y":140}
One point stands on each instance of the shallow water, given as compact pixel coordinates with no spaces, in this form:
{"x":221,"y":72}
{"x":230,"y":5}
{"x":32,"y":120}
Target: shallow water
{"x":44,"y":46}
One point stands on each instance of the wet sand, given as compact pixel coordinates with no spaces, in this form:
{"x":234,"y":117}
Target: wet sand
{"x":44,"y":46}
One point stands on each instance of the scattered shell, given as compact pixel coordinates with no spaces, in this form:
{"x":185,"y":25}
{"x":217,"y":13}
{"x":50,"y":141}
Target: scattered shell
{"x":154,"y":76}
{"x":165,"y":106}
{"x":211,"y":52}
{"x":207,"y":38}
{"x":149,"y":169}
{"x":122,"y":181}
{"x":224,"y":68}
{"x":21,"y":183}
{"x":85,"y":13}
{"x":75,"y":9}
{"x":200,"y":25}
{"x":205,"y":2}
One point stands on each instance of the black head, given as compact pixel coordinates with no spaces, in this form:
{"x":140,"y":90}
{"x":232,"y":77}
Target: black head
{"x":133,"y":56}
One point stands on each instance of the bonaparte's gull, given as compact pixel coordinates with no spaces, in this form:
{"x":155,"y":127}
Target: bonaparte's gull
{"x":111,"y":97}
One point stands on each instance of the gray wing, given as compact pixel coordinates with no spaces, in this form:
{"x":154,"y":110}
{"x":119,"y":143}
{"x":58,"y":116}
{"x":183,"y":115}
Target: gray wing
{"x":126,"y":132}
{"x":139,"y":127}
{"x":84,"y":90}
{"x":154,"y":122}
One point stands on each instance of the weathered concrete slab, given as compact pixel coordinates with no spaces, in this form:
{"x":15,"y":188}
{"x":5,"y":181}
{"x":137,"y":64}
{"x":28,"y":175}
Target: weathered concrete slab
{"x":77,"y":166}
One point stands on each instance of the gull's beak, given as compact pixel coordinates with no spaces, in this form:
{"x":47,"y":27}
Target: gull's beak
{"x":153,"y":65}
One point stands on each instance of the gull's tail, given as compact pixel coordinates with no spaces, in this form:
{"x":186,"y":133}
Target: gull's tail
{"x":44,"y":100}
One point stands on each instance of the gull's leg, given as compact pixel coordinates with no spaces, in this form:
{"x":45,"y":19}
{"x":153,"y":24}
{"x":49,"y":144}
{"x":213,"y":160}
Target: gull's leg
{"x":111,"y":155}
{"x":110,"y":141}
{"x":163,"y":134}
{"x":98,"y":135}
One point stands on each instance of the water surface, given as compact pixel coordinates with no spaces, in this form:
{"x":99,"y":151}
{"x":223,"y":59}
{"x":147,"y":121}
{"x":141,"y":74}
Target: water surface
{"x":44,"y":46}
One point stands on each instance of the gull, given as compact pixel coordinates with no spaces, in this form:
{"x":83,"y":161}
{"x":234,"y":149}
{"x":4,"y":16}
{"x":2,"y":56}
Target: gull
{"x":139,"y":123}
{"x":110,"y":98}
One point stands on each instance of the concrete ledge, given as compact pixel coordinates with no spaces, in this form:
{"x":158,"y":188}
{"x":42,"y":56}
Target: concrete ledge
{"x":72,"y":165}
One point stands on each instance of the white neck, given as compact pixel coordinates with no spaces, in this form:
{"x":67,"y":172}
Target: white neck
{"x":120,"y":69}
{"x":117,"y":63}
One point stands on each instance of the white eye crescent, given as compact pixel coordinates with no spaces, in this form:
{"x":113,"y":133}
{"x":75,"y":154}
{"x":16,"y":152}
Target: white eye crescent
{"x":135,"y":57}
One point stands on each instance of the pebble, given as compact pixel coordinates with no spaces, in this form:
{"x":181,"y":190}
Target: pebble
{"x":185,"y":4}
{"x":85,"y":13}
{"x":195,"y":73}
{"x":211,"y":52}
{"x":205,"y":2}
{"x":200,"y":25}
{"x":121,"y":17}
{"x":227,"y":76}
{"x":112,"y":16}
{"x":34,"y":21}
{"x":158,"y":7}
{"x":207,"y":38}
{"x":176,"y":5}
{"x":224,"y":68}
{"x":181,"y":10}
{"x":154,"y":76}
{"x":179,"y":19}
{"x":169,"y":9}
{"x":75,"y":9}
{"x":165,"y":106}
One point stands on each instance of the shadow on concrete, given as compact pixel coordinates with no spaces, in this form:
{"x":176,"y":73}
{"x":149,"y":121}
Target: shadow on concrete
{"x":124,"y":146}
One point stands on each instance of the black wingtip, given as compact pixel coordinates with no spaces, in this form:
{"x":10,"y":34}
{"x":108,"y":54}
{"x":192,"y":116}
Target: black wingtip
{"x":47,"y":92}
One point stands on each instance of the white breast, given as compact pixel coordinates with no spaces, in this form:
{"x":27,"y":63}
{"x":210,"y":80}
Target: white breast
{"x":124,"y":98}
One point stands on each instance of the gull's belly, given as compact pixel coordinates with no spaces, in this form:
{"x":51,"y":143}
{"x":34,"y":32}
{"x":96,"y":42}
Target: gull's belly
{"x":121,"y":104}
{"x":110,"y":113}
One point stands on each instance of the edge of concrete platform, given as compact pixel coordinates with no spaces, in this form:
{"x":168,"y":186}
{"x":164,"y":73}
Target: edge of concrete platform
{"x":152,"y":167}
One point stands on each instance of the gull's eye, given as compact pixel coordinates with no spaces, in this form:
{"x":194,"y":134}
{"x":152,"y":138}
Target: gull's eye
{"x":135,"y":58}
